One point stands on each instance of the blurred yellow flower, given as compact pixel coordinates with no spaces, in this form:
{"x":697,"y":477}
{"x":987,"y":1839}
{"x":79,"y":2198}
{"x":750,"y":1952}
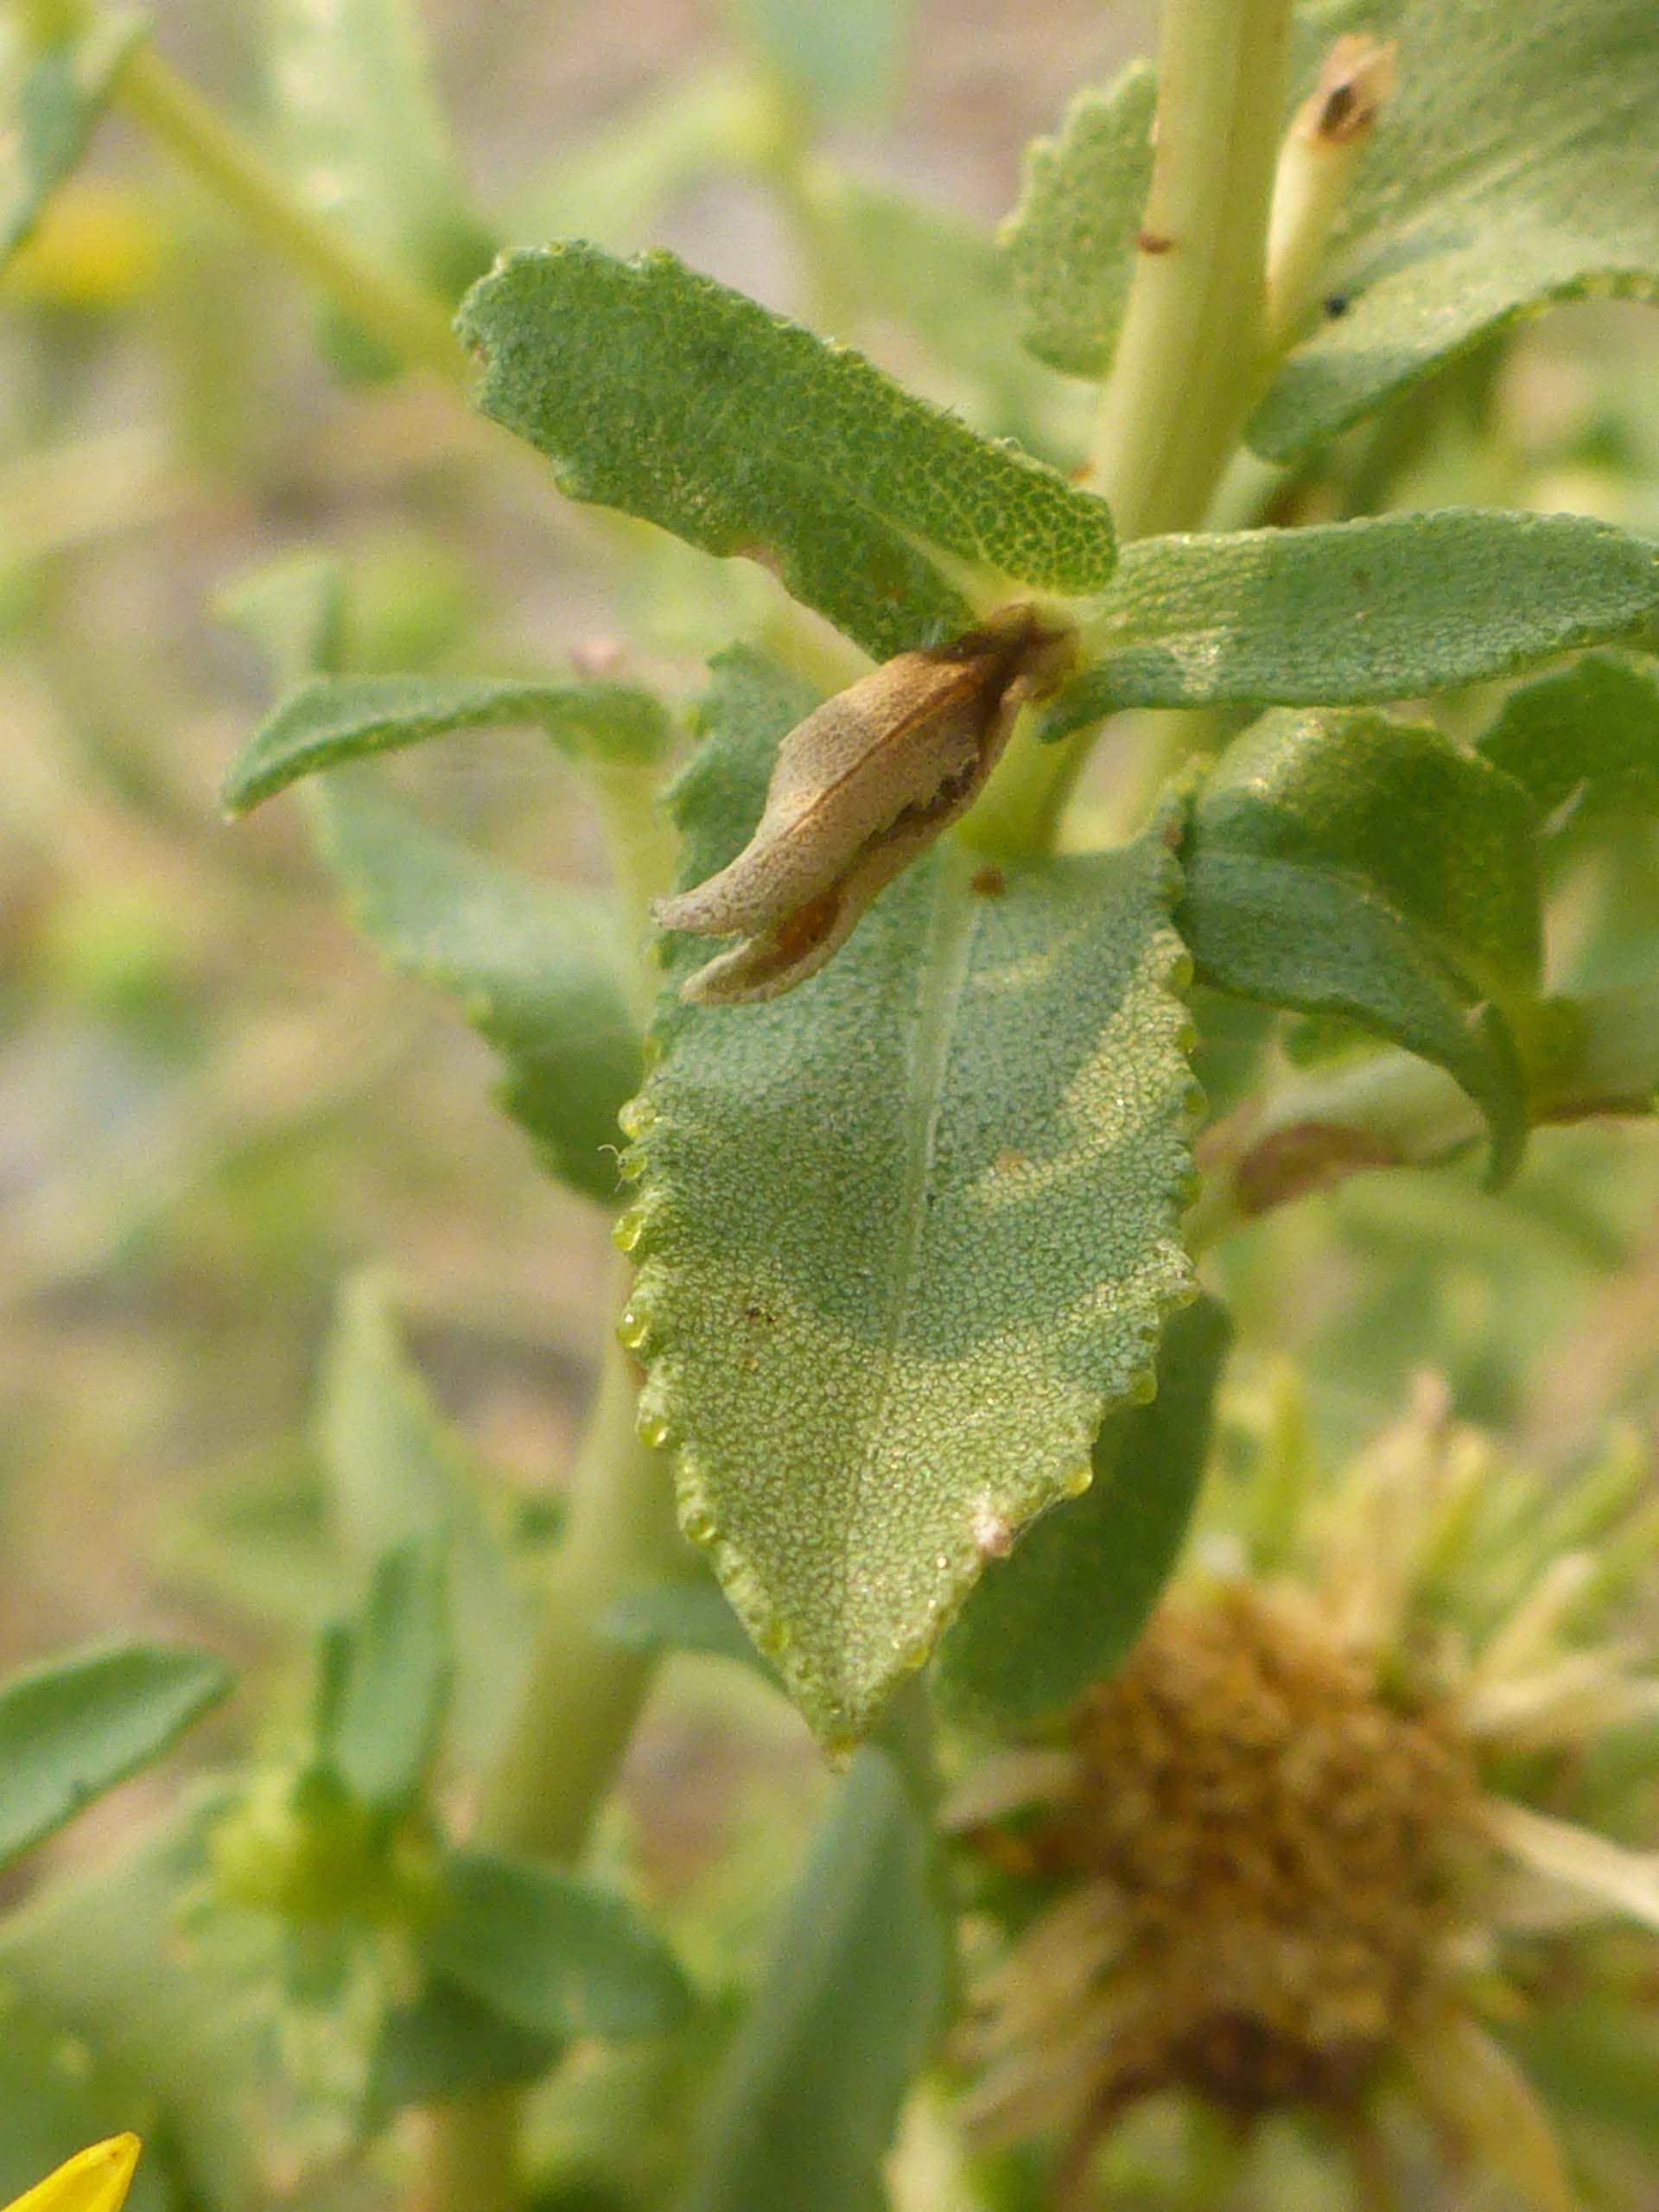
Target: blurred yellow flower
{"x":96,"y":248}
{"x":1315,"y":1840}
{"x":95,"y":2180}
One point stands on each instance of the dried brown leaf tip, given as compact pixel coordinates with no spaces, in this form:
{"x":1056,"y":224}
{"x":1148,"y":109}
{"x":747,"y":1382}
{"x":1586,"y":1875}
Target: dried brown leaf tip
{"x":861,"y":787}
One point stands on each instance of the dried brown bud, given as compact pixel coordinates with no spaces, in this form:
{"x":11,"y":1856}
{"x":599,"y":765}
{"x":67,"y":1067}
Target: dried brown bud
{"x":1357,"y":76}
{"x":861,"y":787}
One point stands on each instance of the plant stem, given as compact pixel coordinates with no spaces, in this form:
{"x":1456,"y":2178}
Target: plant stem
{"x":1186,"y":363}
{"x":406,"y":319}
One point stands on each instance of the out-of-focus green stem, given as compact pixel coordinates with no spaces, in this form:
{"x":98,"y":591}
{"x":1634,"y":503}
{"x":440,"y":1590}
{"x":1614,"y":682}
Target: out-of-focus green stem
{"x":1187,"y":361}
{"x":406,"y":319}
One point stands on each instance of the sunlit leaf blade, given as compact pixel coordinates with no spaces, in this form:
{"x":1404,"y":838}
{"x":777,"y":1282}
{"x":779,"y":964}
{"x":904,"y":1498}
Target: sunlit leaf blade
{"x":383,"y":1721}
{"x":541,"y":970}
{"x":329,"y":719}
{"x":1505,"y":171}
{"x":657,"y":390}
{"x":556,"y":1955}
{"x":1341,"y":613}
{"x":907,"y":1232}
{"x":74,"y":1727}
{"x":850,"y":2003}
{"x":1071,"y":242}
{"x":1584,"y":742}
{"x":360,"y":129}
{"x":1065,"y":1610}
{"x":841,"y":59}
{"x":397,"y":1473}
{"x":49,"y":107}
{"x":1345,"y":863}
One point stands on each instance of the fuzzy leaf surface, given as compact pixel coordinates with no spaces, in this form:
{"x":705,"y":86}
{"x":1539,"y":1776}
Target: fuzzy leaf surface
{"x":907,"y":1232}
{"x":1584,"y":742}
{"x":556,"y":1955}
{"x":540,"y":970}
{"x":850,"y":2005}
{"x":655,"y":390}
{"x":1070,"y":241}
{"x":1508,"y":169}
{"x":1065,"y":1610}
{"x":72,"y":1728}
{"x":1342,"y":614}
{"x":1347,"y":864}
{"x":361,"y":132}
{"x":329,"y":719}
{"x":50,"y":103}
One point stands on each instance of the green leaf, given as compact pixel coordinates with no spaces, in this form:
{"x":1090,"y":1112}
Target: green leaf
{"x":1071,"y":242}
{"x":556,"y":1955}
{"x":74,"y":1727}
{"x":655,"y":390}
{"x":397,"y":1474}
{"x":1340,"y":613}
{"x":1064,"y":1611}
{"x":848,"y":2009}
{"x":542,"y":971}
{"x":103,"y":1958}
{"x":361,"y":132}
{"x":293,"y":612}
{"x":445,"y":2045}
{"x":1501,"y":176}
{"x":841,"y":60}
{"x":1346,"y":864}
{"x":907,"y":1232}
{"x":329,"y":719}
{"x":1584,"y":743}
{"x":384,"y":1719}
{"x":50,"y":103}
{"x":683,"y":1616}
{"x":1596,"y":2060}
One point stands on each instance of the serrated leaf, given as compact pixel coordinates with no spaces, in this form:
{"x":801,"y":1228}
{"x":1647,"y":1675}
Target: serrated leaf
{"x":447,"y":2043}
{"x":397,"y":1473}
{"x":557,"y":1956}
{"x":540,"y":970}
{"x":657,"y":390}
{"x":74,"y":1727}
{"x":1341,"y":613}
{"x":1584,"y":743}
{"x":50,"y":103}
{"x":1344,"y":863}
{"x":1065,"y":1610}
{"x":840,"y":59}
{"x":851,"y":2001}
{"x":1504,"y":172}
{"x":330,"y":719}
{"x":362,"y":133}
{"x":1070,"y":241}
{"x":907,"y":1233}
{"x":384,"y":1716}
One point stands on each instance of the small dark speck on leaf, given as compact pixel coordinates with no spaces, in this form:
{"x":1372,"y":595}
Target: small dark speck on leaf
{"x":1336,"y":305}
{"x":990,"y":883}
{"x":1154,"y":242}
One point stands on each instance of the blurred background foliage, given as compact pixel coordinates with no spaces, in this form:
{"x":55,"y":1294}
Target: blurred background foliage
{"x":216,"y":1105}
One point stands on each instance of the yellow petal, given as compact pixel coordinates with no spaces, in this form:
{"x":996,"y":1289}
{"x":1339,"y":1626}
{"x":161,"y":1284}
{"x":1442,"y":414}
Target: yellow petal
{"x":1626,"y":1881}
{"x":93,"y":2181}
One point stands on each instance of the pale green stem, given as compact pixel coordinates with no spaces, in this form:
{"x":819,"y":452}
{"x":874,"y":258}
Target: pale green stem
{"x":1187,"y":357}
{"x":407,"y":320}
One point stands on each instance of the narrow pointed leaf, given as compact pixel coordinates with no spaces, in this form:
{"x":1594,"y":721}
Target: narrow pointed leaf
{"x":1065,"y":1610}
{"x":361,"y":132}
{"x":1504,"y":172}
{"x":541,"y":970}
{"x":1071,"y":242}
{"x":1584,"y":743}
{"x":1344,"y":863}
{"x":908,"y":1232}
{"x":50,"y":103}
{"x":851,"y":2001}
{"x":657,"y":390}
{"x":329,"y":719}
{"x":1342,"y":614}
{"x":72,"y":1728}
{"x":556,"y":1955}
{"x":383,"y":1721}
